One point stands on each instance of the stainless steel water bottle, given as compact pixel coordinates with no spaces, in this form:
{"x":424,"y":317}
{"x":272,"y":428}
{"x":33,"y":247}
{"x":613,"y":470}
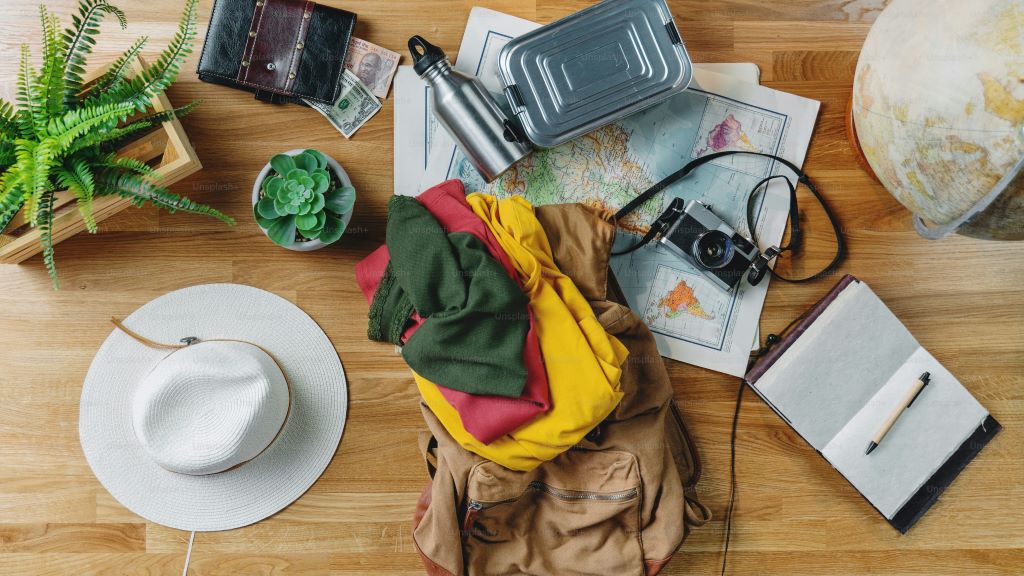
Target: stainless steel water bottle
{"x":490,"y":141}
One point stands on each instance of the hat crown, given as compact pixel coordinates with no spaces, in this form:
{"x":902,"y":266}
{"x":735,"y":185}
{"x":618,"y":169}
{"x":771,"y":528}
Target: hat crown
{"x":210,"y":406}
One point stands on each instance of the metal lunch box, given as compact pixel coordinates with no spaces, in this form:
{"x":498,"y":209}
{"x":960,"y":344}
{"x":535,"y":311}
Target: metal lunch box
{"x":593,"y":68}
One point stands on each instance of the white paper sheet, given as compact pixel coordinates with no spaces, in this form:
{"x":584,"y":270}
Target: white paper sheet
{"x":414,"y":127}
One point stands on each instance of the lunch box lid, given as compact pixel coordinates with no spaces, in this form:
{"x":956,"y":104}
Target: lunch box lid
{"x":592,"y":68}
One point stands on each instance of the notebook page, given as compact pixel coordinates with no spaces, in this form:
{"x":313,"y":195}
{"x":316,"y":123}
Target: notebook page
{"x":942,"y":417}
{"x":837,"y":365}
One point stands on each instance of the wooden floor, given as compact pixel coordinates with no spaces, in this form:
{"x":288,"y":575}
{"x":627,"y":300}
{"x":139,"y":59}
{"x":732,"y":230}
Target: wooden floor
{"x":962,"y":298}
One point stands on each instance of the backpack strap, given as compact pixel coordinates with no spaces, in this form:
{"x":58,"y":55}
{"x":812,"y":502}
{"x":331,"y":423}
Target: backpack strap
{"x":428,"y":447}
{"x":695,"y":512}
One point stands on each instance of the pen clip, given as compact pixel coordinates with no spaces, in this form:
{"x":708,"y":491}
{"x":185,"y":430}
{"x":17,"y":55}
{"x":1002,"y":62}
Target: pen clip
{"x":926,"y":377}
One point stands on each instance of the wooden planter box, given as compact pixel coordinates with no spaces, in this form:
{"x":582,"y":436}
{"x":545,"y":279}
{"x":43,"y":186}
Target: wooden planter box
{"x":164,"y":147}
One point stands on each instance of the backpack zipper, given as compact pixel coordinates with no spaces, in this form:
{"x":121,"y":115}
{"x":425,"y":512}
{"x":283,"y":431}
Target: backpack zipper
{"x":576,"y":495}
{"x":474,"y":506}
{"x":477,"y":506}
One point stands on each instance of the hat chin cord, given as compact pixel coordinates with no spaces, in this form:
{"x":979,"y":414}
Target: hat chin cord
{"x":188,"y":554}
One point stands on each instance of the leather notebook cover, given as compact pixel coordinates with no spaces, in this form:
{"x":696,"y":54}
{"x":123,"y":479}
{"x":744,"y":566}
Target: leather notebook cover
{"x":838,"y":375}
{"x":282,"y":50}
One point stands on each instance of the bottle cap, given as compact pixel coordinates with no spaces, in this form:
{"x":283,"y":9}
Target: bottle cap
{"x":424,"y":54}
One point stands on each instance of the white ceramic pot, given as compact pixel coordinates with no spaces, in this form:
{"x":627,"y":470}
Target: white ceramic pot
{"x":308,"y":245}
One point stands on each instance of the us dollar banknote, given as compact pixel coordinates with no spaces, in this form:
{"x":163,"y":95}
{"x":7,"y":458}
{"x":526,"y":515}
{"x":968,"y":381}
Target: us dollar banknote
{"x":354,"y":106}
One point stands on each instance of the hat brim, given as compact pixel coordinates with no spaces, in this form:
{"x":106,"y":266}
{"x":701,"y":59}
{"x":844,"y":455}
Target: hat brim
{"x":256,"y":489}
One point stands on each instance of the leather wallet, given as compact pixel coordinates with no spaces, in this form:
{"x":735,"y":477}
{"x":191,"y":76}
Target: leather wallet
{"x":282,"y":50}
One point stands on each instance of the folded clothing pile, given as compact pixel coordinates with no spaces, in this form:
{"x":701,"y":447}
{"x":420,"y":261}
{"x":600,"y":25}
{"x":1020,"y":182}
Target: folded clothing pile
{"x":506,"y":351}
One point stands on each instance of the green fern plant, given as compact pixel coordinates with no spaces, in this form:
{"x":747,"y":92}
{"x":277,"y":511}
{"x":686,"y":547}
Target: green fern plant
{"x":64,"y":135}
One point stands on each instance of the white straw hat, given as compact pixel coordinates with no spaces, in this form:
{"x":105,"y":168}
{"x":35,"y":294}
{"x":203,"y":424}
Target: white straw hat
{"x":224,"y":431}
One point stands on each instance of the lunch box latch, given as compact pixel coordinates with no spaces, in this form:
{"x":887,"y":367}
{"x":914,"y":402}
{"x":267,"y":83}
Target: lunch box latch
{"x":515,"y":98}
{"x":673,"y":32}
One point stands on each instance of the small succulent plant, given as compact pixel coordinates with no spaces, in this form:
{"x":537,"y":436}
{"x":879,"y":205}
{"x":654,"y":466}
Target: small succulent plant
{"x":302,"y":199}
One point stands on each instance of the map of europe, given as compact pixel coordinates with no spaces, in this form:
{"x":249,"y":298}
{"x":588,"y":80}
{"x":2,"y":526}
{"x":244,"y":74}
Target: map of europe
{"x":597,"y":169}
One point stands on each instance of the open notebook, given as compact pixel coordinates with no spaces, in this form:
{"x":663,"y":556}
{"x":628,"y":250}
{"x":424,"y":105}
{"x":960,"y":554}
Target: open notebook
{"x":839,"y":374}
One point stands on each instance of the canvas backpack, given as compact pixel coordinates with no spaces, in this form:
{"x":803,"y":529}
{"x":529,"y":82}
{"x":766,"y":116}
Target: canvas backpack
{"x":620,"y":502}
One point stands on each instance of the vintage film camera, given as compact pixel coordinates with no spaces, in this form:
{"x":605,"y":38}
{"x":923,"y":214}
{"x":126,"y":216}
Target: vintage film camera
{"x":693,"y":232}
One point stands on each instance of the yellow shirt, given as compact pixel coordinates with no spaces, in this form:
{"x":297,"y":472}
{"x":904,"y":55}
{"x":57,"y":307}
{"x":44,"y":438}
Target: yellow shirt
{"x":583,"y":362}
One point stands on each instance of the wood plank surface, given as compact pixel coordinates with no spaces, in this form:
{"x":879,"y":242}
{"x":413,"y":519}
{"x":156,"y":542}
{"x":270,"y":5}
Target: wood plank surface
{"x":962,"y":298}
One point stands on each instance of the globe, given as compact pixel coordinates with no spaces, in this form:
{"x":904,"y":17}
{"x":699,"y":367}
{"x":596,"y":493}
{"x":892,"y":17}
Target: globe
{"x":938,"y":109}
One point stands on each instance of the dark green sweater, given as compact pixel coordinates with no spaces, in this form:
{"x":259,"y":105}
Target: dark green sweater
{"x":476,"y":315}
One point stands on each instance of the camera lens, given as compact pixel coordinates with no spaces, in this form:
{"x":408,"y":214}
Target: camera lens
{"x":713,"y":249}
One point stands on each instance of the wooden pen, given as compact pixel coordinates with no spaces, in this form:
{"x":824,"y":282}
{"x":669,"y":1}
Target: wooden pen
{"x":912,"y":395}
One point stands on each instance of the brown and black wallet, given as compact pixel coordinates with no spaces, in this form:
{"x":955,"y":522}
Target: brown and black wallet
{"x":282,"y":50}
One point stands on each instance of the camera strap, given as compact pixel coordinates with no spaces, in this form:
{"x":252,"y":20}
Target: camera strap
{"x":760,"y":266}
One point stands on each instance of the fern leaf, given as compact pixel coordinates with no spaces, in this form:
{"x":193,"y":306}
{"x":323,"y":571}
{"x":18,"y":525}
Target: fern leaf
{"x":141,"y":190}
{"x":132,"y":165}
{"x":165,"y":115}
{"x":35,"y":162}
{"x":45,"y":157}
{"x":50,"y":83}
{"x":5,"y":220}
{"x":25,"y":154}
{"x":76,"y":176}
{"x":75,"y":123}
{"x":8,"y":134}
{"x":97,"y":156}
{"x":33,"y":118}
{"x":111,"y":160}
{"x":112,"y":136}
{"x":79,"y":40}
{"x":11,"y":196}
{"x":45,"y":226}
{"x":8,"y":123}
{"x":117,"y":71}
{"x":9,"y":181}
{"x":163,"y":72}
